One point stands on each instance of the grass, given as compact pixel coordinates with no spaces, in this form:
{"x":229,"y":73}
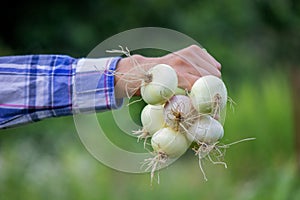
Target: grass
{"x":47,"y":160}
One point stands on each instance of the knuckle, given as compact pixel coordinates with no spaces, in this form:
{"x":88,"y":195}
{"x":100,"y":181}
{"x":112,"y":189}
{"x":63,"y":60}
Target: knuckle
{"x":181,"y":62}
{"x":178,"y":61}
{"x":195,"y":47}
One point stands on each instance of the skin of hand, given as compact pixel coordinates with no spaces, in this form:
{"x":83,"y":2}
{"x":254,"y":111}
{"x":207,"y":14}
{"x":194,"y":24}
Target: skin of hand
{"x":189,"y":63}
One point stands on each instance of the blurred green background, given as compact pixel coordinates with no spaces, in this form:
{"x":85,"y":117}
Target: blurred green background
{"x":257,"y":42}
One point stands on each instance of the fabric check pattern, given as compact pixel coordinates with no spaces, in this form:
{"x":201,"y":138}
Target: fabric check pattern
{"x":34,"y":87}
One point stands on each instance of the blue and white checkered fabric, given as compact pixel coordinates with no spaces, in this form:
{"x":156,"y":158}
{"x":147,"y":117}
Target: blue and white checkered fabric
{"x":33,"y":87}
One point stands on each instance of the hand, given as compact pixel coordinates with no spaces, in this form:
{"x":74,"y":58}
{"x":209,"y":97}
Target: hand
{"x":189,"y":63}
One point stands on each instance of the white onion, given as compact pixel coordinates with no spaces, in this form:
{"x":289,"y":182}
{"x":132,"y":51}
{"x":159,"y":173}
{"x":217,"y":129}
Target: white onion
{"x":179,"y":112}
{"x":169,"y":142}
{"x":205,"y":130}
{"x":152,"y":118}
{"x":209,"y":95}
{"x":161,"y":85}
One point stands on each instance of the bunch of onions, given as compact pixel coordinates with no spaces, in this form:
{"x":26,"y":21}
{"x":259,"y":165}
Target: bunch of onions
{"x":174,"y":121}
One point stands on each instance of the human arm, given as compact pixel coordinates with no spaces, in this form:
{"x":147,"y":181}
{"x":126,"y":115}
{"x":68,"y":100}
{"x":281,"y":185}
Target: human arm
{"x":34,"y":87}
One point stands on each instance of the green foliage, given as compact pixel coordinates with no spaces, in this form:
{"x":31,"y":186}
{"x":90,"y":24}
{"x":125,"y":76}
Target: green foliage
{"x":254,"y":40}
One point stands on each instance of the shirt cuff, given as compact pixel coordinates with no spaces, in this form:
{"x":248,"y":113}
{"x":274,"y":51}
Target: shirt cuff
{"x":94,"y":85}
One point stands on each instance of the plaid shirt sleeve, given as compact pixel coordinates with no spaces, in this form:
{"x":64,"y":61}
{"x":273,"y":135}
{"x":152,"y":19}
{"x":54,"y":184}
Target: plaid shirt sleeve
{"x":34,"y":87}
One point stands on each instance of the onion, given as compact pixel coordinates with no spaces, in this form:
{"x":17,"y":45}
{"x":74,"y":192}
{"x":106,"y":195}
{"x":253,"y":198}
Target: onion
{"x":152,"y":118}
{"x":169,"y":142}
{"x":209,"y":95}
{"x":179,"y":113}
{"x":166,"y":143}
{"x":205,"y":130}
{"x":160,"y":86}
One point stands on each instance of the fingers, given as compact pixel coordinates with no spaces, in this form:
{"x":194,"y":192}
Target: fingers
{"x":209,"y":58}
{"x":186,"y":81}
{"x":203,"y":54}
{"x":191,"y":63}
{"x":201,"y":65}
{"x":196,"y":61}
